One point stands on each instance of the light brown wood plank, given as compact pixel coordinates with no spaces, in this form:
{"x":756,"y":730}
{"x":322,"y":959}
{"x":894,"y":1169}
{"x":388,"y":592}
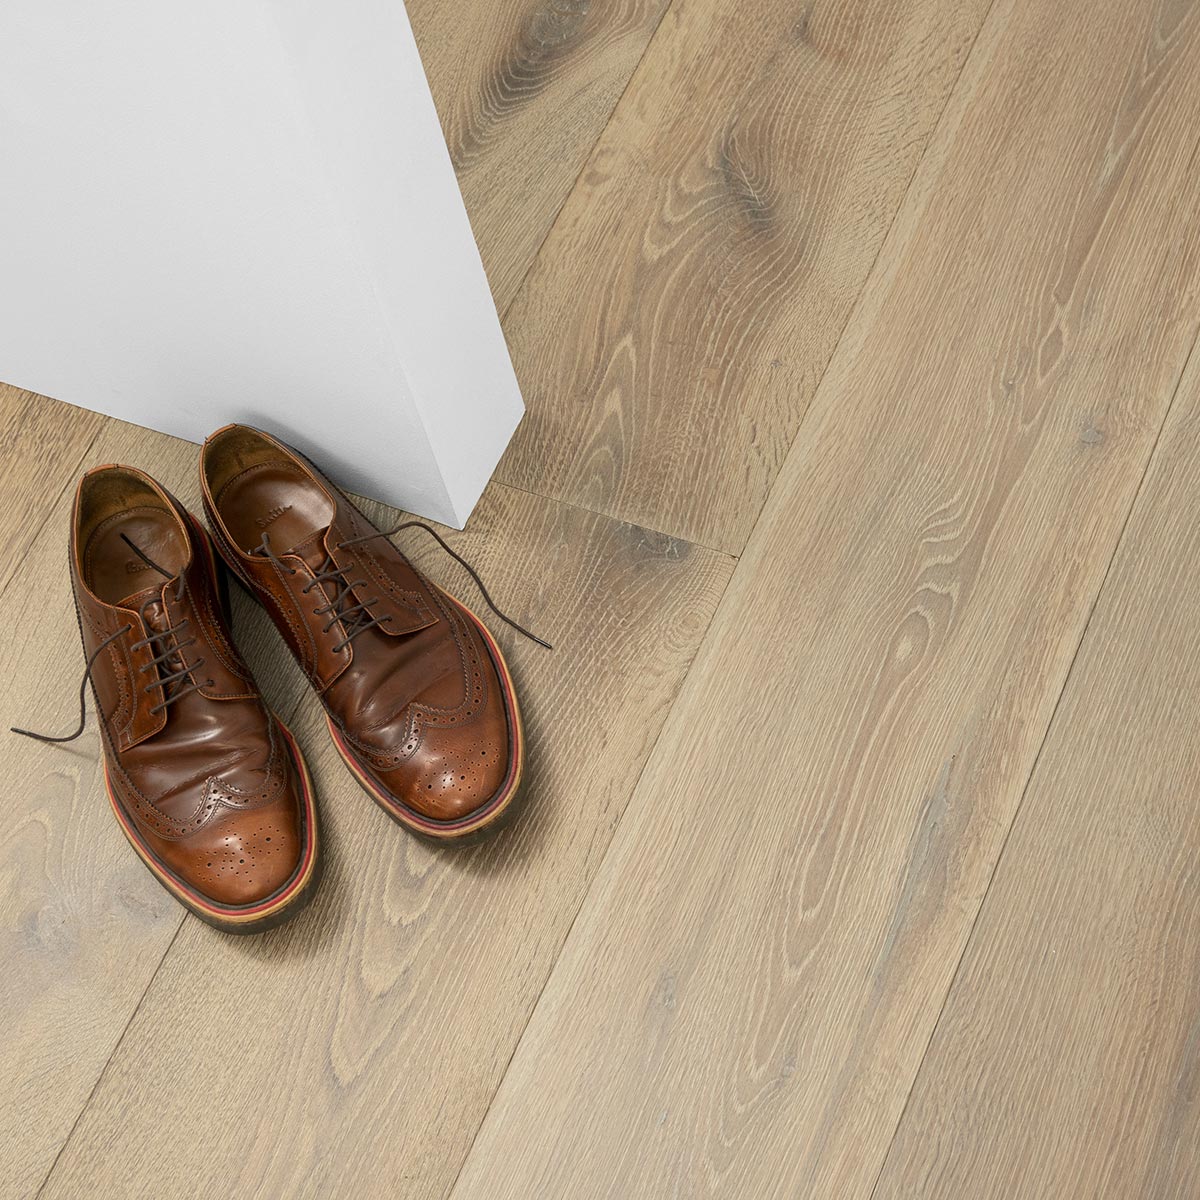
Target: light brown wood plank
{"x":687,"y":301}
{"x":524,"y":89}
{"x":743,"y":1003}
{"x":355,"y":1051}
{"x":41,"y":445}
{"x":1065,"y":1063}
{"x":83,"y":926}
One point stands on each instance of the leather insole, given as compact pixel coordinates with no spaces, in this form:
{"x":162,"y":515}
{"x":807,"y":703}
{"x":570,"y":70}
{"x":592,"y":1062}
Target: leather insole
{"x":276,"y":498}
{"x":113,"y":571}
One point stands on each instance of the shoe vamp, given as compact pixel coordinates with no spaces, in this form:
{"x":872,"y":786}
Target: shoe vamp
{"x":374,"y":697}
{"x":226,"y":740}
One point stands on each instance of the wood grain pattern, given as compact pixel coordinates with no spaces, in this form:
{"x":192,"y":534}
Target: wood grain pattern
{"x":40,"y":447}
{"x":687,"y":301}
{"x":355,"y":1051}
{"x":83,"y":925}
{"x":55,"y":890}
{"x":1065,"y":1063}
{"x":524,"y":89}
{"x":745,"y":998}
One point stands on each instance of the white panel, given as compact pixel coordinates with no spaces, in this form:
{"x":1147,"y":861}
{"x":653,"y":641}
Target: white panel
{"x":245,"y":211}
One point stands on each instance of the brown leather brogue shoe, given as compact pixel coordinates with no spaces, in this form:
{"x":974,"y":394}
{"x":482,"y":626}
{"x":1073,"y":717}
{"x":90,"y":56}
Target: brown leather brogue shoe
{"x":417,"y":695}
{"x":206,"y":783}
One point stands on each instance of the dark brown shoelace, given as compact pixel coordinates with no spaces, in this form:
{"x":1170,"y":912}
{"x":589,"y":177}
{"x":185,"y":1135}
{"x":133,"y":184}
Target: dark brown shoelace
{"x":165,"y":644}
{"x":356,"y":618}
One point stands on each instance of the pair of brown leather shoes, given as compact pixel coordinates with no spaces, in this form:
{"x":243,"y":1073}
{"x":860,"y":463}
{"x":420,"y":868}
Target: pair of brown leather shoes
{"x":206,"y":782}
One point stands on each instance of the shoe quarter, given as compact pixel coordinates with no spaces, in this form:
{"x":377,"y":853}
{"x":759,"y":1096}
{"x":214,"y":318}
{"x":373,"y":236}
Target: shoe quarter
{"x":124,"y":679}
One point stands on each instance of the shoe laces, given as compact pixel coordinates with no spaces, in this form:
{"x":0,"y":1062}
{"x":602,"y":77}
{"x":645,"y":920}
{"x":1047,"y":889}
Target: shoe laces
{"x":356,"y":618}
{"x":164,"y":644}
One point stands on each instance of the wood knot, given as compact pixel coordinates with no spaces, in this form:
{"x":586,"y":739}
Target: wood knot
{"x":749,"y":186}
{"x":557,"y":23}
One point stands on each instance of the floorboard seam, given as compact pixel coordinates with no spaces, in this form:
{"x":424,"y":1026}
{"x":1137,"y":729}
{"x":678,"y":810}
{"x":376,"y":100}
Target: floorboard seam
{"x":1037,"y":758}
{"x":596,"y":512}
{"x":869,"y":278}
{"x":583,"y":166}
{"x":112,"y":1054}
{"x":591,"y":883}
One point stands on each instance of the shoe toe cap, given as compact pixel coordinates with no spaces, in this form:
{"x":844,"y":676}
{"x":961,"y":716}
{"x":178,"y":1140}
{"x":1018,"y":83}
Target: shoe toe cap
{"x":449,"y":779}
{"x":248,"y":855}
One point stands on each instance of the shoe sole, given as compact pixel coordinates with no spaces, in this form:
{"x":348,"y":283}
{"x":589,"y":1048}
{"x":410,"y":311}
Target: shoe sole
{"x":488,"y":816}
{"x":253,"y":918}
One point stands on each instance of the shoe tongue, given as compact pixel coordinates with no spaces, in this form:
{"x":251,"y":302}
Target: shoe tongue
{"x":149,"y":603}
{"x":312,"y":549}
{"x":155,"y":615}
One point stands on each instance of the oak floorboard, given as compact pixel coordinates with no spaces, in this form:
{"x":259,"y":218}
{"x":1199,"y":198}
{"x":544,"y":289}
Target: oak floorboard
{"x":354,"y":1051}
{"x":1065,"y":1062}
{"x":523,"y":89}
{"x":685,"y":304}
{"x":746,"y":996}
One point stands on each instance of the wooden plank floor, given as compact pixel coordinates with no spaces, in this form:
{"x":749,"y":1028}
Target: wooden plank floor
{"x":682,"y":310}
{"x":1066,"y":1059}
{"x":524,"y":88}
{"x":859,"y":494}
{"x":825,"y":808}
